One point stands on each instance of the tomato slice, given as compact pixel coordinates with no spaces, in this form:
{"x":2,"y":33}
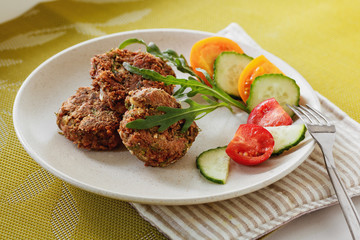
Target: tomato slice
{"x":258,"y":66}
{"x":204,"y":52}
{"x":251,"y":145}
{"x":269,"y":113}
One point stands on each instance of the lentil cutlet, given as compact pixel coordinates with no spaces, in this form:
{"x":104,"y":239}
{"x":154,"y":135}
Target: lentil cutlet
{"x":95,"y":117}
{"x":115,"y":82}
{"x":157,"y":149}
{"x":89,"y":122}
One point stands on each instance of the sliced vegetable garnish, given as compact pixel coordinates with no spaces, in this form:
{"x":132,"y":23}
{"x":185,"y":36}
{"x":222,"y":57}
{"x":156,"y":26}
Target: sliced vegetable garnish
{"x":204,"y":52}
{"x":258,"y":66}
{"x":282,"y":88}
{"x":286,"y":137}
{"x":227,"y":69}
{"x":269,"y":113}
{"x":251,"y":145}
{"x":214,"y":165}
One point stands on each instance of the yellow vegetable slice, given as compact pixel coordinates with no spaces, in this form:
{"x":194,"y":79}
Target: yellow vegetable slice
{"x":204,"y":52}
{"x":258,"y":66}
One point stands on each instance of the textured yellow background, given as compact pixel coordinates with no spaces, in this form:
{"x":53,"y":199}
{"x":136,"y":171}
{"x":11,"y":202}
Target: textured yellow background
{"x":318,"y":38}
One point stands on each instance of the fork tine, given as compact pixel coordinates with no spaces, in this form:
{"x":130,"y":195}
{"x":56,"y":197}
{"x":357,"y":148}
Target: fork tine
{"x":318,"y":114}
{"x":299,"y":113}
{"x":312,"y":115}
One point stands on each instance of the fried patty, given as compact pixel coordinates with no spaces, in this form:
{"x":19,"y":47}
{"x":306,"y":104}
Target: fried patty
{"x":157,"y":149}
{"x":89,"y":122}
{"x":115,"y":82}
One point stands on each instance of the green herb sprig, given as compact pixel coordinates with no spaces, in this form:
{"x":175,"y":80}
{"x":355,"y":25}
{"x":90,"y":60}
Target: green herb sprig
{"x":194,"y":112}
{"x":177,"y":60}
{"x":195,"y":86}
{"x":192,"y":84}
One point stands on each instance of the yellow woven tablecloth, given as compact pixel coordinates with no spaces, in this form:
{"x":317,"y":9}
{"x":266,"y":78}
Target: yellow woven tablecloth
{"x":318,"y":38}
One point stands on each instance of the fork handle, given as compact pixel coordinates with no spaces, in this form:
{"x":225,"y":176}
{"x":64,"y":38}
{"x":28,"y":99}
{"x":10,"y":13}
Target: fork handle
{"x":346,"y":204}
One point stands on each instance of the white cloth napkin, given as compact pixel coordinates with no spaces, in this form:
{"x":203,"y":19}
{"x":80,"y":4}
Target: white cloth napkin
{"x":251,"y":216}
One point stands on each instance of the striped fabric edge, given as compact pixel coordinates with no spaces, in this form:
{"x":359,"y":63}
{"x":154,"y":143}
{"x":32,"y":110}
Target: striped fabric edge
{"x":254,"y":215}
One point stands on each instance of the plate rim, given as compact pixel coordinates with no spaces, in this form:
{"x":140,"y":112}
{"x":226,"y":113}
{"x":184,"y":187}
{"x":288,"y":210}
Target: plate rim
{"x":125,"y":197}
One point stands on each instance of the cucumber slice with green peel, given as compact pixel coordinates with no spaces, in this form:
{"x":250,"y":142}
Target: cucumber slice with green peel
{"x":214,"y":164}
{"x":286,"y":137}
{"x":227,"y":69}
{"x":278,"y":86}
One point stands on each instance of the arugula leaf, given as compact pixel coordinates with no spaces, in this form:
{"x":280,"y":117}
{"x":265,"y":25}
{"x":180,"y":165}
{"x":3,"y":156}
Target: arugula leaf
{"x":194,"y":85}
{"x":173,"y":115}
{"x":170,"y":55}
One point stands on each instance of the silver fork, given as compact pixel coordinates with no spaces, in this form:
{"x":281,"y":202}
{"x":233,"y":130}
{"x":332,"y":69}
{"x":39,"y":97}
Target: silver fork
{"x":324,"y":134}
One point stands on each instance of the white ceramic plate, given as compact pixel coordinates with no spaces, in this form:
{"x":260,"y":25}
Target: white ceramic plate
{"x":118,"y":174}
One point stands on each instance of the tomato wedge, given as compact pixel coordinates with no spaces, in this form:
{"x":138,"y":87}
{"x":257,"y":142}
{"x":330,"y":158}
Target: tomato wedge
{"x":204,"y":52}
{"x":269,"y":113}
{"x":258,"y":66}
{"x":251,"y":145}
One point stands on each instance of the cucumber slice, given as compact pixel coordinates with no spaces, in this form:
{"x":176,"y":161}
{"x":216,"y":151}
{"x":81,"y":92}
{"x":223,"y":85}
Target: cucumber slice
{"x":282,"y":88}
{"x":227,"y":69}
{"x":214,"y":165}
{"x":286,"y":137}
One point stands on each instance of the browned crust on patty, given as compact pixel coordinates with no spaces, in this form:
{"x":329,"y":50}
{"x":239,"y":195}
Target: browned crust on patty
{"x":157,"y":149}
{"x":116,"y":82}
{"x":89,"y":122}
